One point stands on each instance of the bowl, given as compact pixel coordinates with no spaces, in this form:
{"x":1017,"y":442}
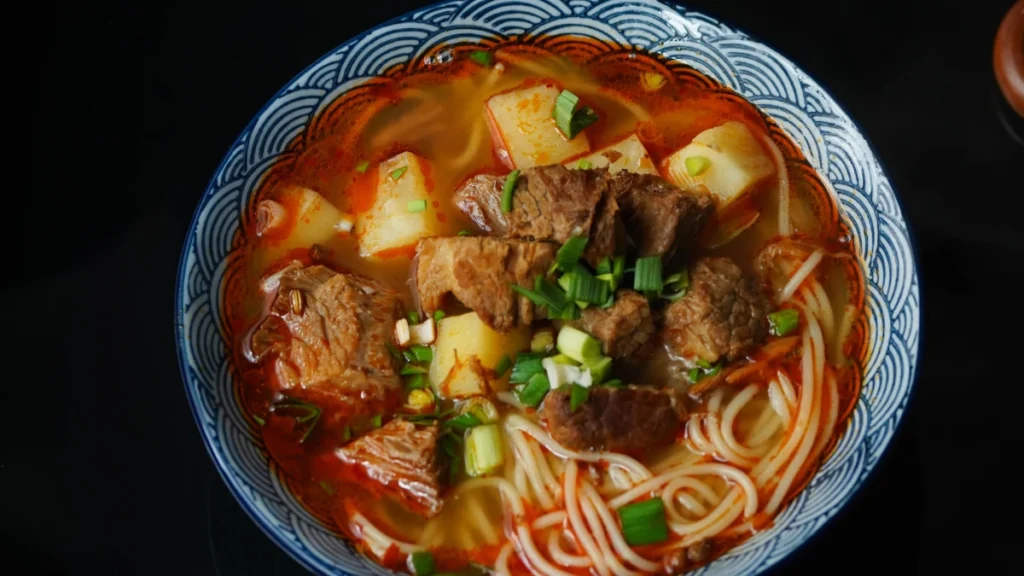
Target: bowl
{"x":823,"y":131}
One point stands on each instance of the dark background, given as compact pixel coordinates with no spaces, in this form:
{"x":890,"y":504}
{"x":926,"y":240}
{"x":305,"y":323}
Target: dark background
{"x":132,"y":108}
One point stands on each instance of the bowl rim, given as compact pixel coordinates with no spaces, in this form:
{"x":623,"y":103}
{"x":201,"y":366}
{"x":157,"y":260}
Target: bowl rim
{"x":192,"y":235}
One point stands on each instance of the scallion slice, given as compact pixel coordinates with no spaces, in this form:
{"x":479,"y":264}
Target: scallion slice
{"x":306,"y":415}
{"x":534,"y":391}
{"x":395,"y":175}
{"x":604,"y":266}
{"x":565,"y":106}
{"x":648,"y":274}
{"x":543,"y":341}
{"x":438,"y":315}
{"x":417,"y":382}
{"x":503,"y":365}
{"x":578,"y":345}
{"x":703,"y":364}
{"x":544,"y":294}
{"x":583,"y":118}
{"x":421,"y":563}
{"x":585,"y":164}
{"x":697,"y":165}
{"x":422,"y":353}
{"x":599,"y":368}
{"x":376,"y":421}
{"x":416,"y":206}
{"x":782,"y":322}
{"x":571,"y":311}
{"x":570,"y":253}
{"x":414,"y":317}
{"x":259,"y":420}
{"x":577,"y":396}
{"x":412,"y":369}
{"x":527,"y":366}
{"x":463,"y":233}
{"x":585,"y":288}
{"x":484,"y":452}
{"x":509,"y":190}
{"x":482,"y":58}
{"x":363,"y":166}
{"x":675,"y":286}
{"x":644,"y":522}
{"x":614,"y":383}
{"x":463,"y":422}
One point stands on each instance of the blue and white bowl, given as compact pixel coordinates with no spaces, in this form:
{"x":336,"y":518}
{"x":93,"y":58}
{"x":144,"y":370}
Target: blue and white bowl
{"x":822,"y":130}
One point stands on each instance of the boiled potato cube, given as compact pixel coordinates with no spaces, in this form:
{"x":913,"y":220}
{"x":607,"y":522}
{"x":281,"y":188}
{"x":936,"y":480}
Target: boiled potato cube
{"x":736,"y":162}
{"x":629,"y":155}
{"x":524,"y":132}
{"x":469,"y":337}
{"x":308,"y":218}
{"x":390,"y":224}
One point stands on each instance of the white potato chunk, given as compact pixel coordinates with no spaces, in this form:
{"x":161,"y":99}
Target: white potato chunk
{"x":463,"y":339}
{"x":524,"y":131}
{"x":736,"y":162}
{"x":628,"y":154}
{"x":302,"y":218}
{"x":391,"y":224}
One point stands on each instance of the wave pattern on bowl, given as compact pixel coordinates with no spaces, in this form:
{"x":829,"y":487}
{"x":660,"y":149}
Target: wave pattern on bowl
{"x":824,"y":133}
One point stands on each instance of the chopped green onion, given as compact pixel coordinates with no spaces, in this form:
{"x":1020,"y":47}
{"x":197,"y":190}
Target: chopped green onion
{"x":577,"y":397}
{"x":570,"y":120}
{"x":604,"y":266}
{"x":644,"y":522}
{"x":509,"y":190}
{"x":416,"y":206}
{"x":570,"y":253}
{"x":783,"y":321}
{"x":482,"y":409}
{"x":482,"y":58}
{"x":585,"y":288}
{"x":534,"y":391}
{"x":327,"y":487}
{"x":259,"y":420}
{"x":545,"y":294}
{"x":599,"y":368}
{"x":394,"y":351}
{"x":414,"y":317}
{"x":464,"y":422}
{"x":614,"y":383}
{"x":484,"y":452}
{"x":694,"y":375}
{"x":463,"y":233}
{"x":527,"y":366}
{"x":412,"y":369}
{"x":503,"y":365}
{"x":417,"y":382}
{"x":585,"y":164}
{"x":438,"y":315}
{"x":610,"y":301}
{"x":578,"y":345}
{"x":648,"y":274}
{"x":563,"y":359}
{"x":362,"y":166}
{"x":421,"y":563}
{"x":571,"y":311}
{"x":309,"y":413}
{"x":583,"y":118}
{"x":346,"y":433}
{"x":697,"y":165}
{"x":398,"y":173}
{"x":422,"y":353}
{"x":451,"y":444}
{"x":675,"y":286}
{"x":703,"y":363}
{"x":376,"y":421}
{"x":408,"y":355}
{"x":542,"y":341}
{"x":714,"y":370}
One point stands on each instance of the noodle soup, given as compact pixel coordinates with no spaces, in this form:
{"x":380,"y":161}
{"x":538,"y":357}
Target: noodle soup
{"x":529,"y":312}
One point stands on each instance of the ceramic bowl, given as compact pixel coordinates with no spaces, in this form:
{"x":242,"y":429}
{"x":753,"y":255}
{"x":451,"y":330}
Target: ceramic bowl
{"x":823,"y":131}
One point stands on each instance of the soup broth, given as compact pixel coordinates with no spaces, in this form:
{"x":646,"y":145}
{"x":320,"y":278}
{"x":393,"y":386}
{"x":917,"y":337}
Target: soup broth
{"x":752,"y":429}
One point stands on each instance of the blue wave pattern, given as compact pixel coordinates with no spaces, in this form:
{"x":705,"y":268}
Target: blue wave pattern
{"x":817,"y":125}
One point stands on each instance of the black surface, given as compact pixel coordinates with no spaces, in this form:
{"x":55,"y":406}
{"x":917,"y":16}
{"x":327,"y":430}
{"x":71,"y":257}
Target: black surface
{"x":102,"y":467}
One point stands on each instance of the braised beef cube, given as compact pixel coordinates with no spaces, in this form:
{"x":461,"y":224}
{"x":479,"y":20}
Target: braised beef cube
{"x":629,"y":420}
{"x":624,"y":328}
{"x":331,"y":331}
{"x":398,"y":460}
{"x":722,"y":316}
{"x":479,"y":273}
{"x":658,"y":215}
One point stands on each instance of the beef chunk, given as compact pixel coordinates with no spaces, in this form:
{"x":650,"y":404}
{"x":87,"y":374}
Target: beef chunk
{"x":331,"y":331}
{"x":723,"y":314}
{"x":629,"y":420}
{"x":397,"y":460}
{"x":550,"y":203}
{"x":658,"y":215}
{"x":624,"y":328}
{"x":479,"y":271}
{"x":553,"y":203}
